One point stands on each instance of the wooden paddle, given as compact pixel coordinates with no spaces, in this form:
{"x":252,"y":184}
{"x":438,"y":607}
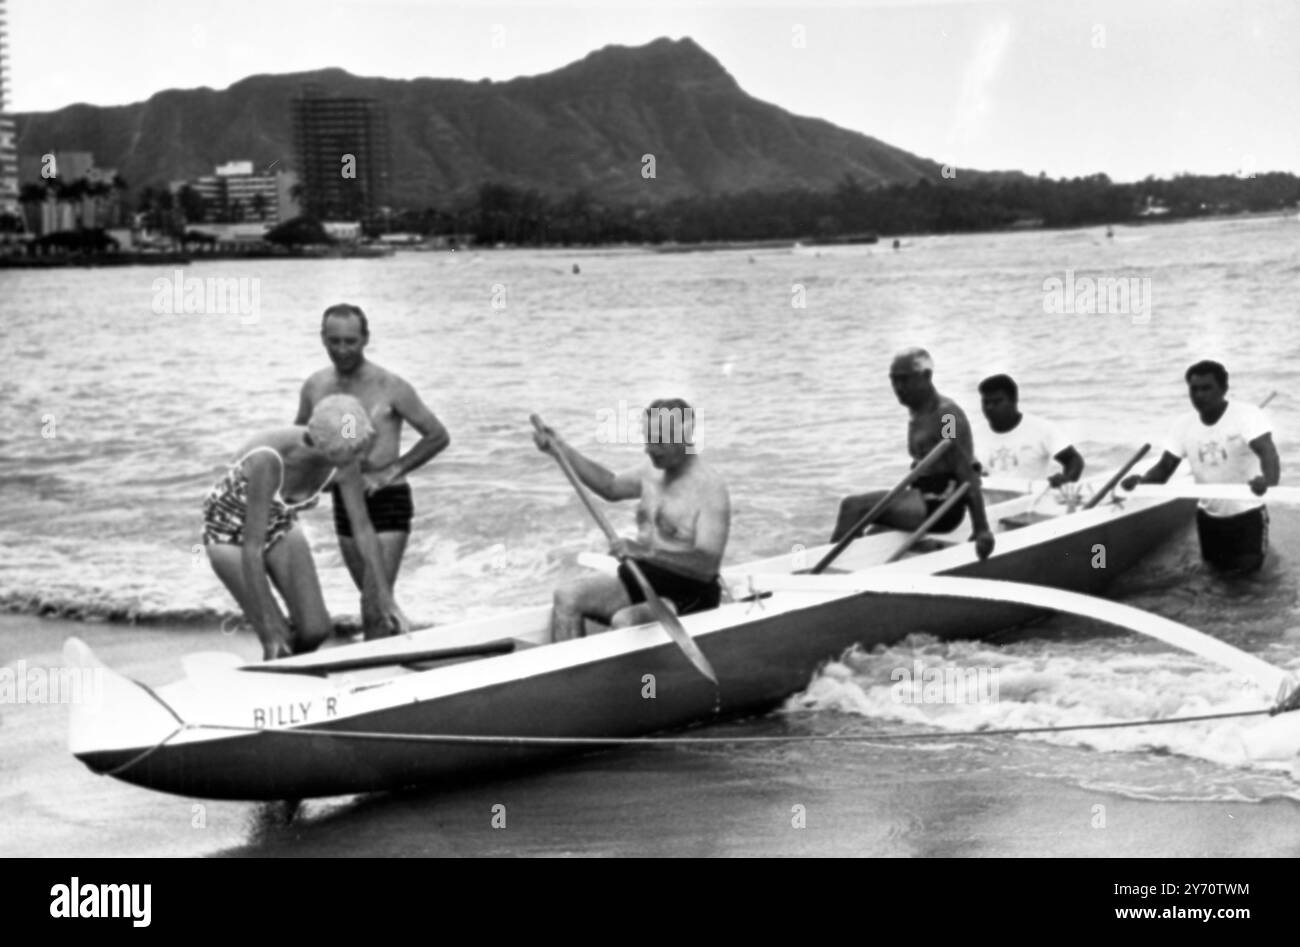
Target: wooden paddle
{"x":878,"y":510}
{"x":662,"y":613}
{"x":928,"y":525}
{"x":1119,"y":475}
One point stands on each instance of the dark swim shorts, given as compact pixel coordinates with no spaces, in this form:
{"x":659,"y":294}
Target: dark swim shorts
{"x":689,"y":595}
{"x":1234,"y":543}
{"x":934,"y":490}
{"x":390,"y":510}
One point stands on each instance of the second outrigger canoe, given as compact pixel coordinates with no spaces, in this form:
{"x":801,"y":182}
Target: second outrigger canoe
{"x":435,"y":707}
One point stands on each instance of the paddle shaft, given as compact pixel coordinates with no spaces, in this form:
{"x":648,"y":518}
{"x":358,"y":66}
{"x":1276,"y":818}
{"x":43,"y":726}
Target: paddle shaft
{"x":1119,"y":475}
{"x":878,"y":510}
{"x":663,"y":614}
{"x":928,"y":525}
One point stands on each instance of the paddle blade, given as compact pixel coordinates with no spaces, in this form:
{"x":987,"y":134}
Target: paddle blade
{"x":671,"y":624}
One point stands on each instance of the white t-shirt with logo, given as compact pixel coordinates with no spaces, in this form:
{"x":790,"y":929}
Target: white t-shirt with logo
{"x":1027,"y":451}
{"x":1220,"y":452}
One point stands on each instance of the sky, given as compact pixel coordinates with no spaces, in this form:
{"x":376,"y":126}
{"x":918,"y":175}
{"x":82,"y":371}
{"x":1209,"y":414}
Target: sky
{"x":1067,"y":87}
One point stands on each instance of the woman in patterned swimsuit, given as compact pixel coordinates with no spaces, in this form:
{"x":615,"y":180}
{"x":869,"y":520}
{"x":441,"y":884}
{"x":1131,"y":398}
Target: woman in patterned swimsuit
{"x":252,"y":535}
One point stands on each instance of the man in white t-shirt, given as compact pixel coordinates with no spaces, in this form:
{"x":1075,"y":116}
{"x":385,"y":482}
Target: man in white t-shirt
{"x":1022,"y":445}
{"x":1223,"y":443}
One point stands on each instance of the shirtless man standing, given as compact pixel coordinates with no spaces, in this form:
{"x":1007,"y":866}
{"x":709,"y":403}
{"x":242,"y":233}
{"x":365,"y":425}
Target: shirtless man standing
{"x":933,"y":417}
{"x":683,"y":521}
{"x":389,"y":400}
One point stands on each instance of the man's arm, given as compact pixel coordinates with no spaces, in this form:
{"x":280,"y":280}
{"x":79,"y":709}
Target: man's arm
{"x":599,"y":480}
{"x":434,"y":437}
{"x":964,"y":470}
{"x":1269,"y":462}
{"x":304,"y":403}
{"x":1160,"y":472}
{"x":433,"y":440}
{"x":1072,"y":463}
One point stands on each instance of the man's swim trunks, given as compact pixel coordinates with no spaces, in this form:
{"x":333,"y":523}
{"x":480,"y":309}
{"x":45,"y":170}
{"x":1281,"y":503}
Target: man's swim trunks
{"x":934,"y":489}
{"x":1234,"y":543}
{"x":390,"y":509}
{"x":689,"y":595}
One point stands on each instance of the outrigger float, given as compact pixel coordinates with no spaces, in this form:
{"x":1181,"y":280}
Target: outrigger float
{"x":433,"y":707}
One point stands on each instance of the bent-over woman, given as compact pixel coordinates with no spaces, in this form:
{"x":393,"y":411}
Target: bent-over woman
{"x":251,"y":531}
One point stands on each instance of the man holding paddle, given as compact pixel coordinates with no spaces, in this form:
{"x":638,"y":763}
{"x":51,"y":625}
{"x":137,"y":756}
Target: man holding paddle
{"x":1228,"y":443}
{"x":934,"y":419}
{"x":683,"y":520}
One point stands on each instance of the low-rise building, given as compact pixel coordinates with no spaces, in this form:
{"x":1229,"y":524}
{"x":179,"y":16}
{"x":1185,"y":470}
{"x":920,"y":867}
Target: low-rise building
{"x":235,"y":194}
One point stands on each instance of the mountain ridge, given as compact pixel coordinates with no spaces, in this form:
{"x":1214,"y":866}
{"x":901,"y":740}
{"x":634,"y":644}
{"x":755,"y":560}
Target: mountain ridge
{"x":584,"y":126}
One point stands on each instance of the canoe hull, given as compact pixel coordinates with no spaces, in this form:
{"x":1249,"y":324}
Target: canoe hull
{"x":760,"y":659}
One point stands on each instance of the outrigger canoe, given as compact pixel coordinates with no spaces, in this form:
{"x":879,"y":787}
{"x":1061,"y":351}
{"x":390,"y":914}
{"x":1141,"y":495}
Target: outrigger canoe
{"x":433,"y":707}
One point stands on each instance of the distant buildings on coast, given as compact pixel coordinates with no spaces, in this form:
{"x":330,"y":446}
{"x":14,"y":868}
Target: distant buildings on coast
{"x":10,"y":214}
{"x":235,"y":194}
{"x":341,"y":152}
{"x":58,"y":201}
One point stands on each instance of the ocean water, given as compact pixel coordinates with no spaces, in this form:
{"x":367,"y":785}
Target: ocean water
{"x":115,"y":419}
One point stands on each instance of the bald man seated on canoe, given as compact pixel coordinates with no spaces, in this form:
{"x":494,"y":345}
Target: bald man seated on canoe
{"x":933,"y":418}
{"x":683,"y":520}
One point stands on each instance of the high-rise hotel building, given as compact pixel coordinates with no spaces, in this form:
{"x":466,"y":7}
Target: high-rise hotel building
{"x":341,"y":145}
{"x":8,"y":137}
